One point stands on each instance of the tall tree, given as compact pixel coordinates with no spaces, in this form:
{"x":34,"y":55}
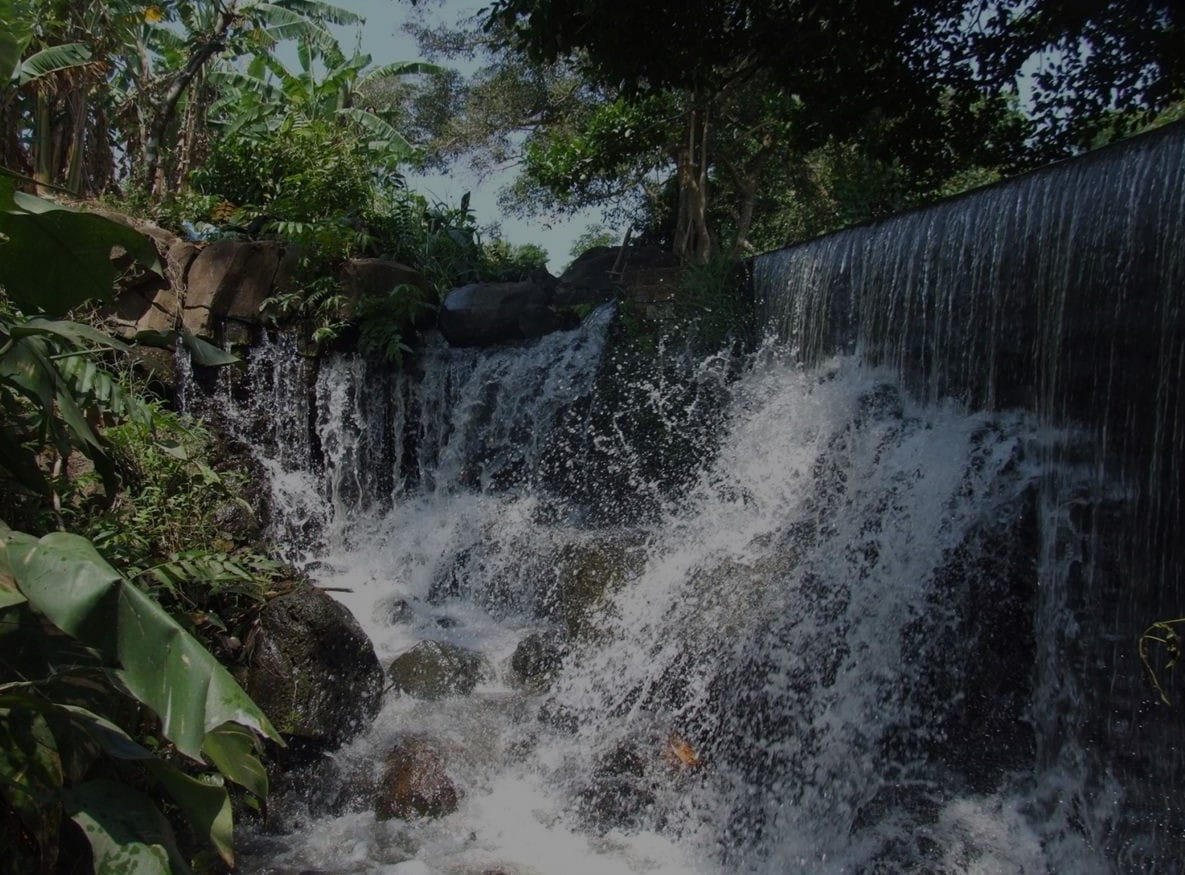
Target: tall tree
{"x":933,"y":79}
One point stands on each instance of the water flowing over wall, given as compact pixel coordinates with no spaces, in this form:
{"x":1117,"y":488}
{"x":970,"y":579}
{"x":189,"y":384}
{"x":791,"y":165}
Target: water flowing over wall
{"x":1063,"y":292}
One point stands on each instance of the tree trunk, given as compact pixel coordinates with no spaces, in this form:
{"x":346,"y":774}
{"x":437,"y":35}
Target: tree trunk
{"x":166,"y":109}
{"x":693,"y":240}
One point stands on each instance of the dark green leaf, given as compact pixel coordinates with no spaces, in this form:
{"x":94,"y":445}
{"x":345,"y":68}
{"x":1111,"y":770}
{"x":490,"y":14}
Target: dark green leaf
{"x":68,"y":582}
{"x":206,"y":353}
{"x":52,"y":59}
{"x":206,"y":807}
{"x":56,"y":258}
{"x":233,"y":750}
{"x":126,"y":832}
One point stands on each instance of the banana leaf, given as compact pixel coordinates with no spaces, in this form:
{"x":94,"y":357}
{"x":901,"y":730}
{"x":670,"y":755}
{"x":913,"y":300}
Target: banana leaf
{"x":66,"y":580}
{"x":54,"y":258}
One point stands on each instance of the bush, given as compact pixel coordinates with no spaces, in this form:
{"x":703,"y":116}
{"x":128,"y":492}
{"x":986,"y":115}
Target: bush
{"x":296,"y":174}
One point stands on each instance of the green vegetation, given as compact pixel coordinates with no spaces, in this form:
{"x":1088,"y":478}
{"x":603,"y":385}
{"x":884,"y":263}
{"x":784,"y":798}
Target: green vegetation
{"x":112,"y":713}
{"x":745,"y":126}
{"x":714,"y":129}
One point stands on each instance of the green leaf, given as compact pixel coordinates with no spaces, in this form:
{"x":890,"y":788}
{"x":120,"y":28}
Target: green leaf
{"x":10,"y":596}
{"x":399,"y":68}
{"x":75,"y":334}
{"x":233,"y":750}
{"x":52,"y":59}
{"x":160,"y":664}
{"x":206,"y":353}
{"x":55,"y":258}
{"x":206,"y":807}
{"x":126,"y":832}
{"x":390,"y":139}
{"x":114,"y":741}
{"x":321,"y":11}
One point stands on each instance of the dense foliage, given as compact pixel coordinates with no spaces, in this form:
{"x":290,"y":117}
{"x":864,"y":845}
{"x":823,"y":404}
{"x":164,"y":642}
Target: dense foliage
{"x":741,"y":125}
{"x":112,"y":712}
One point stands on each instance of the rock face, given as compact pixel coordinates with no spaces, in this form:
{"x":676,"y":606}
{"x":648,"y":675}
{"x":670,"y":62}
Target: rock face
{"x":312,"y":670}
{"x":231,"y":279}
{"x":414,"y":782}
{"x":484,"y":314}
{"x":643,"y":274}
{"x":216,"y":289}
{"x":435,"y":669}
{"x":376,"y":276}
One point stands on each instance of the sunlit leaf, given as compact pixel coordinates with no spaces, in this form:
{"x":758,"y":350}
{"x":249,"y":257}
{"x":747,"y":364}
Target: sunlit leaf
{"x":234,"y":751}
{"x":206,"y":807}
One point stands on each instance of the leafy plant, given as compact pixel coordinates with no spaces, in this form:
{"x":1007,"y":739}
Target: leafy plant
{"x":385,"y":321}
{"x":167,"y":527}
{"x":319,"y":301}
{"x":297,"y":173}
{"x":108,"y":706}
{"x":64,"y":691}
{"x":708,"y":301}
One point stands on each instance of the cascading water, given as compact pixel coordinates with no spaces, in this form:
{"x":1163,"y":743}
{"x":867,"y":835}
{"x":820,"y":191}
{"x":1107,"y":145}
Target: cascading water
{"x":872,"y":626}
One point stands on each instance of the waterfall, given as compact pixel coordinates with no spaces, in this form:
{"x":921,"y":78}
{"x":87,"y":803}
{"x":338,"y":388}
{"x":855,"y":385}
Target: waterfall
{"x":865,"y":601}
{"x":1060,"y":292}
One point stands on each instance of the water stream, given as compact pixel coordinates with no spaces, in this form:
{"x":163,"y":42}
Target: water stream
{"x":879,"y":615}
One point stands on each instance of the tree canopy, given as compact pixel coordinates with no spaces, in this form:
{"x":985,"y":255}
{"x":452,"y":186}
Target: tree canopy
{"x":932,"y":88}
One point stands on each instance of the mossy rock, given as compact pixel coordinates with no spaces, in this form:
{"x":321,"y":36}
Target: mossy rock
{"x":537,"y":659}
{"x":312,"y":669}
{"x":435,"y":669}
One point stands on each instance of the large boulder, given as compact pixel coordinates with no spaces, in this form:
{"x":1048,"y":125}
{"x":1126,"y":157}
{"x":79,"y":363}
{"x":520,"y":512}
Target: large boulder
{"x":414,"y":782}
{"x":435,"y":669}
{"x":231,"y":279}
{"x":377,"y":276}
{"x":312,"y":669}
{"x":485,"y":314}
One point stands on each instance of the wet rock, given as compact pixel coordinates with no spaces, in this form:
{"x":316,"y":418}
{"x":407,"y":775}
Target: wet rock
{"x":619,"y":793}
{"x":447,"y":622}
{"x":400,"y":611}
{"x":485,"y":314}
{"x":435,"y":669}
{"x":537,"y":658}
{"x":586,"y":573}
{"x":589,"y":279}
{"x":414,"y":782}
{"x":606,"y":272}
{"x":236,"y":521}
{"x":312,"y":670}
{"x":378,"y":276}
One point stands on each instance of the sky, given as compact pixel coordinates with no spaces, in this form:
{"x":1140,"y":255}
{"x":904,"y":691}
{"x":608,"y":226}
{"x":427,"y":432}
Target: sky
{"x":384,"y":40}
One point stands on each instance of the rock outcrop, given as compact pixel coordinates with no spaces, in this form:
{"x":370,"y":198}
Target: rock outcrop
{"x":644,"y":275}
{"x":216,"y":289}
{"x":485,"y":314}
